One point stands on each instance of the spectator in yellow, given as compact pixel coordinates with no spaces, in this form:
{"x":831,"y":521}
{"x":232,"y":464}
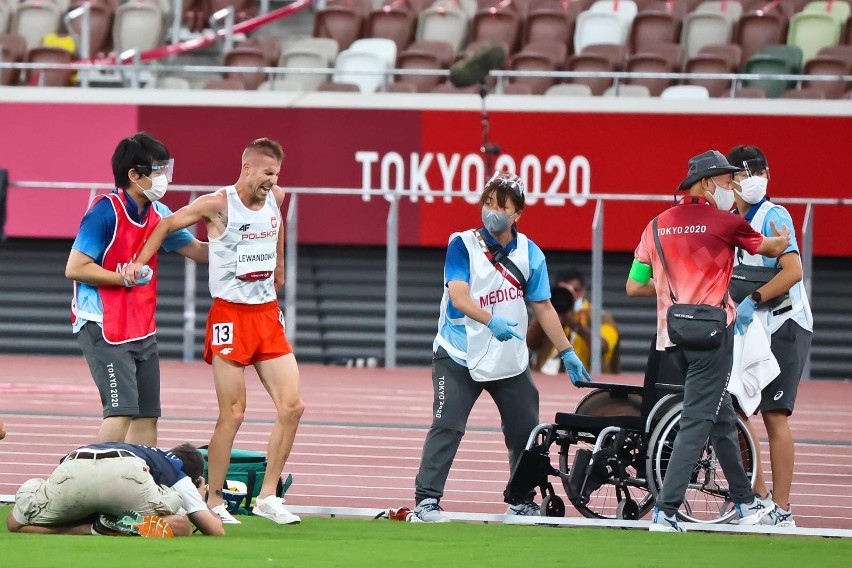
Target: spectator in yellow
{"x":574,"y":310}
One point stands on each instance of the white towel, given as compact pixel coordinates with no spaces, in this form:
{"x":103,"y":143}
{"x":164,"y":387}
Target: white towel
{"x":754,"y":365}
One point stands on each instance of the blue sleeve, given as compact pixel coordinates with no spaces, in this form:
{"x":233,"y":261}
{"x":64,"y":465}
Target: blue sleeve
{"x":96,"y":230}
{"x":538,"y":284}
{"x":780,"y":216}
{"x":457,"y":265}
{"x":176,"y":240}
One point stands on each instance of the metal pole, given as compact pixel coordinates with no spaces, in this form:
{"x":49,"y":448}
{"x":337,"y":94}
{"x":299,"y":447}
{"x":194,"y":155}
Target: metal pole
{"x":189,"y":301}
{"x":597,"y":285}
{"x":806,"y":250}
{"x":291,"y":262}
{"x":391,"y":283}
{"x":85,"y":42}
{"x":177,"y":12}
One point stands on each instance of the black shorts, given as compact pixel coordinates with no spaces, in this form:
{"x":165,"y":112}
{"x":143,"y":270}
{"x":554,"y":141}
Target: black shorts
{"x":791,"y":344}
{"x":127,"y":375}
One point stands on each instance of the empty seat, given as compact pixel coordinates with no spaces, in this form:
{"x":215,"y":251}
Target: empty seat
{"x":695,"y":92}
{"x":627,"y":91}
{"x":518,"y":89}
{"x":425,"y":56}
{"x":174,"y":83}
{"x":677,"y":9}
{"x":497,"y":26}
{"x":196,"y":14}
{"x":100,"y":29}
{"x":704,"y":28}
{"x":598,"y":27}
{"x":591,"y":63}
{"x":138,"y":25}
{"x":339,"y":87}
{"x":828,"y":65}
{"x":5,"y":16}
{"x":731,"y":9}
{"x":380,"y":47}
{"x":34,"y":19}
{"x":450,"y":89}
{"x":774,"y":60}
{"x":615,"y":54}
{"x":49,"y":77}
{"x":288,"y":84}
{"x":309,"y":53}
{"x":729,"y":51}
{"x":759,"y":29}
{"x":661,"y":59}
{"x":225,"y":85}
{"x":340,"y":23}
{"x":401,"y":88}
{"x":269,"y":46}
{"x":350,"y":64}
{"x":13,"y":48}
{"x":653,"y":28}
{"x":547,"y":24}
{"x":443,"y":24}
{"x":813,"y":31}
{"x":569,"y":90}
{"x":396,"y":24}
{"x":243,"y":9}
{"x":710,"y":63}
{"x":803,"y":93}
{"x":837,"y":10}
{"x":750,"y":93}
{"x":469,"y":7}
{"x":543,"y":57}
{"x":247,"y":57}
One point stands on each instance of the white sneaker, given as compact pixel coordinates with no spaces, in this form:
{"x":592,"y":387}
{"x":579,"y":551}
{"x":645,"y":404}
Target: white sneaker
{"x":661,"y":522}
{"x":752,"y":513}
{"x":272,"y":508}
{"x":428,"y":511}
{"x":525,"y":510}
{"x":225,"y":515}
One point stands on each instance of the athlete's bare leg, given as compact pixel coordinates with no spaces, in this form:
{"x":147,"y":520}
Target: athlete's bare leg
{"x":143,"y":431}
{"x":229,"y":379}
{"x":114,"y":429}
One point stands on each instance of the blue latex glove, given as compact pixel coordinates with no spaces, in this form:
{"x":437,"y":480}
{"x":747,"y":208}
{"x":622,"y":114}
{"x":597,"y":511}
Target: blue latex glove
{"x":146,"y":273}
{"x":502,"y":328}
{"x":575,"y":367}
{"x":745,"y":313}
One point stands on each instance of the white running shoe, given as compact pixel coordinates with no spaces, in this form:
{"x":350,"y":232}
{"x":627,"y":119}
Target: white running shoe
{"x":752,"y":513}
{"x":222,"y":512}
{"x":661,"y":522}
{"x":272,"y":508}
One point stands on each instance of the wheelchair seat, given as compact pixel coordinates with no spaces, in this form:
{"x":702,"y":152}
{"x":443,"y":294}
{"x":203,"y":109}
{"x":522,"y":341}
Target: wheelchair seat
{"x":573,"y":421}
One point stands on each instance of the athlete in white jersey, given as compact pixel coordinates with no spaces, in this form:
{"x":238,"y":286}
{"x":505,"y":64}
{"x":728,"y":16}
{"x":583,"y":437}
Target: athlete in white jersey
{"x":245,"y":325}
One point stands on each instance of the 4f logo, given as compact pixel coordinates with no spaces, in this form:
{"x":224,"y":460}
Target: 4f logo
{"x":245,"y":227}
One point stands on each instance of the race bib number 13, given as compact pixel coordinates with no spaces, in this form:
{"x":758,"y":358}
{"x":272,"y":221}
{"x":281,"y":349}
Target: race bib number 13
{"x":223,"y":333}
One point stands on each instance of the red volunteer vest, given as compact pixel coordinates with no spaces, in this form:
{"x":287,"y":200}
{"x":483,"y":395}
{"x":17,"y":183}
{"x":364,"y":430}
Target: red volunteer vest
{"x":128,"y":312}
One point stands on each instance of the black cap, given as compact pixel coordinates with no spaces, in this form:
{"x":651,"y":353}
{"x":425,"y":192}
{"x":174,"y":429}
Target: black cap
{"x":709,"y":164}
{"x":751,"y":158}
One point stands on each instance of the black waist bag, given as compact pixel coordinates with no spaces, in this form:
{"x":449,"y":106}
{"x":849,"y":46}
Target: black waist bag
{"x":746,"y":279}
{"x":696,"y":326}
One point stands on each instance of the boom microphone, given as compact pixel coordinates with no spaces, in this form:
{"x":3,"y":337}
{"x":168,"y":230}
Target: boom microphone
{"x":475,"y":68}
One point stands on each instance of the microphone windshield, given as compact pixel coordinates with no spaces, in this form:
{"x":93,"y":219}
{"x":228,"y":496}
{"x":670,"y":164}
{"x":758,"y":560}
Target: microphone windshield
{"x":475,"y":68}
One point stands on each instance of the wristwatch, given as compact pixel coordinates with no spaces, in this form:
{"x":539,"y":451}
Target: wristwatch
{"x":756,"y":297}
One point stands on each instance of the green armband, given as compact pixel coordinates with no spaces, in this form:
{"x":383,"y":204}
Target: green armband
{"x":640,"y":272}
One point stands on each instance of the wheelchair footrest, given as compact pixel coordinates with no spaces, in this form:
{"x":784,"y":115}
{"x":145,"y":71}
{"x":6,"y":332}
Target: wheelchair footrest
{"x":582,"y":457}
{"x":530,"y":472}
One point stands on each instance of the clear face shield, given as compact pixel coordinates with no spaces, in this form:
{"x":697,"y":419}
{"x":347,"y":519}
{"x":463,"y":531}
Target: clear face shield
{"x":159,"y":168}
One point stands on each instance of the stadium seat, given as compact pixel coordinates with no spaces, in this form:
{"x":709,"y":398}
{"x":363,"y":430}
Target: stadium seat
{"x":493,"y":25}
{"x":5,"y":17}
{"x":401,"y":88}
{"x":591,"y":63}
{"x":685,"y":92}
{"x":627,"y":9}
{"x":33,"y":19}
{"x":339,"y":87}
{"x":548,"y":24}
{"x":828,"y":65}
{"x":309,"y":53}
{"x":288,"y":84}
{"x":349,"y":63}
{"x":49,"y":77}
{"x":196,"y":14}
{"x":243,"y":9}
{"x":167,"y":82}
{"x":13,"y":48}
{"x":774,"y":60}
{"x":138,"y":26}
{"x":450,"y":89}
{"x":545,"y":56}
{"x":246,"y":57}
{"x":676,"y":9}
{"x":224,"y":85}
{"x":383,"y":48}
{"x":424,"y":55}
{"x":443,"y":24}
{"x":664,"y":58}
{"x":811,"y":31}
{"x":838,"y":10}
{"x":704,"y":28}
{"x":711,"y":59}
{"x":803,"y":93}
{"x":759,"y":29}
{"x":627,"y":91}
{"x":615,"y":54}
{"x":598,"y":27}
{"x":100,"y":29}
{"x":652,"y":28}
{"x":340,"y":23}
{"x":569,"y":90}
{"x":731,"y":52}
{"x":397,"y":24}
{"x":468,"y":7}
{"x":518,"y":89}
{"x":731,"y":9}
{"x":269,"y":46}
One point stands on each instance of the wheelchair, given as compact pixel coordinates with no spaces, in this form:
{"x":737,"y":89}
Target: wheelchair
{"x":613,"y":451}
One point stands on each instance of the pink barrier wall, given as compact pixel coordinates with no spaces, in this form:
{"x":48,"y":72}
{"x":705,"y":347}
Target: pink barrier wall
{"x":567,"y":154}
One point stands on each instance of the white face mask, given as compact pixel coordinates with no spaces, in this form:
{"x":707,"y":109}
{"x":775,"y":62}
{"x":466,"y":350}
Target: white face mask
{"x":753,"y":189}
{"x":724,"y":198}
{"x":578,"y":304}
{"x":159,"y":185}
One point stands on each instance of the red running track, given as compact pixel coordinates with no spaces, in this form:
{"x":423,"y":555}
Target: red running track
{"x":360,"y":438}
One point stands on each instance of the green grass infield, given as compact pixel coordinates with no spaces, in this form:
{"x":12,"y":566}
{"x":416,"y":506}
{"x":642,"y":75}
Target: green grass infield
{"x":321,"y":542}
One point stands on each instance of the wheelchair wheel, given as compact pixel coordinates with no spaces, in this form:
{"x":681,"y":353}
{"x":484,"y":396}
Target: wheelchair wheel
{"x":552,"y":506}
{"x":604,"y":502}
{"x":707,"y":498}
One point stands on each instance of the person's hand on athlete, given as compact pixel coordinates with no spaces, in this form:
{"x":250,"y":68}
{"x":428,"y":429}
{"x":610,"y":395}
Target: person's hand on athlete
{"x":137,"y":275}
{"x":576,"y":372}
{"x":745,"y":313}
{"x":501,"y":328}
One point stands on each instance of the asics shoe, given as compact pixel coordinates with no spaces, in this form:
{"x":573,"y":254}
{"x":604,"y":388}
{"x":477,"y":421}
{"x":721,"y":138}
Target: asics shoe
{"x":661,"y":522}
{"x":428,"y":511}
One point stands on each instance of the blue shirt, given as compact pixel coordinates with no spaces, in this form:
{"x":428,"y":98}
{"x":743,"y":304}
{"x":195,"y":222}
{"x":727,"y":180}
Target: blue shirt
{"x":164,"y":466}
{"x":96,"y":232}
{"x":780,"y":216}
{"x":457,"y":267}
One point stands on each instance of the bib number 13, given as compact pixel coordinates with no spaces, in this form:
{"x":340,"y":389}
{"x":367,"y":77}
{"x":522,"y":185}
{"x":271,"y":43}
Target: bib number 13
{"x":223,"y":333}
